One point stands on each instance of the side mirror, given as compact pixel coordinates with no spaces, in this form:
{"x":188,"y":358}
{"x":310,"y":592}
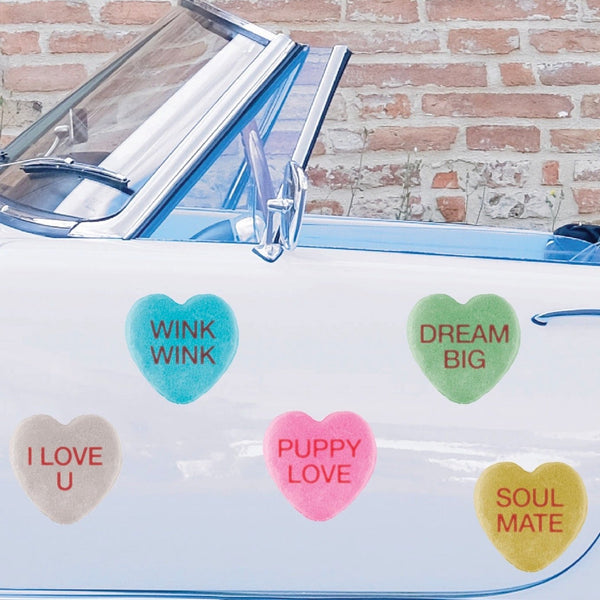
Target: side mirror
{"x":284,"y":215}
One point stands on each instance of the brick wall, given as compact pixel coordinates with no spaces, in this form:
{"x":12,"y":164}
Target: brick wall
{"x":482,"y":111}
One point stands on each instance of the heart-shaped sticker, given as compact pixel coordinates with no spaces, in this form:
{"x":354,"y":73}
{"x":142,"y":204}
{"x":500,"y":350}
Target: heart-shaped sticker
{"x":66,"y":469}
{"x":464,"y":349}
{"x":320,"y":466}
{"x":531,"y":518}
{"x":182,"y":350}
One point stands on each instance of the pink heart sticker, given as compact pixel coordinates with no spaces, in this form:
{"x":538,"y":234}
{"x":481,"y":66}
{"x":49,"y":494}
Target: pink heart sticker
{"x":320,"y":466}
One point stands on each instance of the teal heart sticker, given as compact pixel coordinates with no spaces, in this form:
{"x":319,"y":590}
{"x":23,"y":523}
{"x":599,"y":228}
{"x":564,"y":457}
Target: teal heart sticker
{"x":464,"y":349}
{"x":182,"y":349}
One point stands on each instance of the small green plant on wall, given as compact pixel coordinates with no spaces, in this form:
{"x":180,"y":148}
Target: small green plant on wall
{"x":412,"y":173}
{"x":1,"y":115}
{"x":554,"y":202}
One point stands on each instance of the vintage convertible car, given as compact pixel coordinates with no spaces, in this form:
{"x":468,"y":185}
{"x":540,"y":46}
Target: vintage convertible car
{"x":206,"y":395}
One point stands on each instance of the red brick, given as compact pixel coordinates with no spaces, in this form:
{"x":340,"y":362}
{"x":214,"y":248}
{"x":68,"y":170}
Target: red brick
{"x":549,"y":106}
{"x":590,"y":106}
{"x":335,"y":179}
{"x":575,"y":140}
{"x":133,"y":12}
{"x":370,"y":177}
{"x":395,"y":75}
{"x":411,"y":139}
{"x":483,"y":41}
{"x":453,"y":208}
{"x":416,"y":41}
{"x":447,"y":180}
{"x":502,"y":137}
{"x":88,"y":42}
{"x":552,"y":41}
{"x":25,"y":42}
{"x":44,"y":12}
{"x":588,"y":200}
{"x":499,"y":10}
{"x":387,"y":11}
{"x":324,"y":207}
{"x":381,"y":106}
{"x":514,"y":74}
{"x":319,"y":149}
{"x":44,"y":78}
{"x":550,"y":173}
{"x":594,"y":7}
{"x":570,"y":74}
{"x":284,"y":11}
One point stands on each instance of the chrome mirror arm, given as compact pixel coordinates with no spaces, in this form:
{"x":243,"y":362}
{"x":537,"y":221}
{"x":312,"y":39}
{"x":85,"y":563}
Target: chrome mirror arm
{"x":284,"y":215}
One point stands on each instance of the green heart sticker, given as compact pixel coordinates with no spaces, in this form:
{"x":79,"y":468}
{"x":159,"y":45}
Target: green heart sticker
{"x":464,"y":349}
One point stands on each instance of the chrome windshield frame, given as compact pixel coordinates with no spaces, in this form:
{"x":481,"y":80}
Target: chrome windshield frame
{"x":198,"y":143}
{"x":277,"y":53}
{"x":340,"y":55}
{"x":226,"y":24}
{"x":215,"y":19}
{"x":15,"y":148}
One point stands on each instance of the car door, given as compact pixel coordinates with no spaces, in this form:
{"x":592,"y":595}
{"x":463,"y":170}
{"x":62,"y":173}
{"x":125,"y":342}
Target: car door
{"x":321,"y":331}
{"x":195,"y":396}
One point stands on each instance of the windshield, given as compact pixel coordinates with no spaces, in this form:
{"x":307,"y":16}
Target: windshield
{"x":131,"y":120}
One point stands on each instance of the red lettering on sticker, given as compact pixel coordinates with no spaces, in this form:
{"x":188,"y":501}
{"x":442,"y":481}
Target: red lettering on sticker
{"x":44,"y":462}
{"x":317,"y":447}
{"x":284,"y":446}
{"x":464,"y":333}
{"x":555,"y":522}
{"x":343,"y":473}
{"x":64,"y":456}
{"x":206,"y":354}
{"x":96,"y":456}
{"x":312,"y":473}
{"x":430,"y":330}
{"x":461,"y":359}
{"x":182,"y":355}
{"x":522,"y":497}
{"x":503,"y":494}
{"x":533,"y":522}
{"x":511,"y":525}
{"x":206,"y":329}
{"x":60,"y":485}
{"x":181,"y":329}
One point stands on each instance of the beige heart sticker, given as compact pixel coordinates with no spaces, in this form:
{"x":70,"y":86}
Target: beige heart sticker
{"x":66,"y":469}
{"x":531,"y":518}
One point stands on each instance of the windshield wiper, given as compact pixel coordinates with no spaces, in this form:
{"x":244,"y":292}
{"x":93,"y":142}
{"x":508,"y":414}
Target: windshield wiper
{"x":68,"y":165}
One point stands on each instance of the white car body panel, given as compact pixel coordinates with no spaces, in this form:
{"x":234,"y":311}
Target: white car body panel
{"x":321,"y":331}
{"x":189,"y":502}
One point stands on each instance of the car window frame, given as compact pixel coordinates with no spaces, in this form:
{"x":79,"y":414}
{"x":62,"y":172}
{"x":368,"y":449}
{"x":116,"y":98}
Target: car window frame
{"x":278,"y":52}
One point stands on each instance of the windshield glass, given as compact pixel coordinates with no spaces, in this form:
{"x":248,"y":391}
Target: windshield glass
{"x":131,"y":120}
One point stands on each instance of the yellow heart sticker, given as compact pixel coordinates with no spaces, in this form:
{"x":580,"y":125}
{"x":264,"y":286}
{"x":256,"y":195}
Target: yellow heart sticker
{"x":531,"y":518}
